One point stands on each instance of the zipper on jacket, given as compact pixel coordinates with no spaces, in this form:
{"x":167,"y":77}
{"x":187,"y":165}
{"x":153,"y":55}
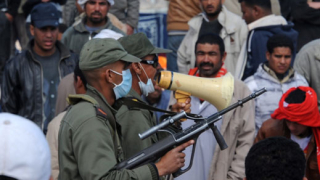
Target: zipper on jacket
{"x":248,"y":49}
{"x":250,"y":40}
{"x":42,"y":122}
{"x":59,"y":71}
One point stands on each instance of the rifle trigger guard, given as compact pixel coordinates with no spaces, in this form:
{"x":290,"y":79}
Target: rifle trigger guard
{"x":169,"y":132}
{"x":181,"y":171}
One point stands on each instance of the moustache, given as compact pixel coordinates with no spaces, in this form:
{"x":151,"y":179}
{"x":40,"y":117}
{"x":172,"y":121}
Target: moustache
{"x":210,"y":6}
{"x":206,"y":64}
{"x":96,"y":13}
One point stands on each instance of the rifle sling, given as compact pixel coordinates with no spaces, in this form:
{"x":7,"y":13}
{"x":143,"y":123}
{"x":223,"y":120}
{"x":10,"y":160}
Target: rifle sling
{"x":133,"y":102}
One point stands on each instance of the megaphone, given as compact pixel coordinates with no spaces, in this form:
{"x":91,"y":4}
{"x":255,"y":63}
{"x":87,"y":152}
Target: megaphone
{"x":217,"y":91}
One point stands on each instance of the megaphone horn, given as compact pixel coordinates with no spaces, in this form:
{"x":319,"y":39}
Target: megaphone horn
{"x":217,"y":91}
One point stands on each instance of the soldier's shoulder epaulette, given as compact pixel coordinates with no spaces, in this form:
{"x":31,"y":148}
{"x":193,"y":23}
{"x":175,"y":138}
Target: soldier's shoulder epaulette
{"x":76,"y":98}
{"x":101,"y":112}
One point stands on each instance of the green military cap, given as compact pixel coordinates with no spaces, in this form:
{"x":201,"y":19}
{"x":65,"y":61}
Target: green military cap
{"x":97,"y":53}
{"x":139,"y":45}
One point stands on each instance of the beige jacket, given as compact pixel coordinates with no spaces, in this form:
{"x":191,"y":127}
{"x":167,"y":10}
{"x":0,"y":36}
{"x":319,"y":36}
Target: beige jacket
{"x":233,"y":6}
{"x":238,"y":130}
{"x":234,"y":33}
{"x":64,"y":89}
{"x":52,"y":138}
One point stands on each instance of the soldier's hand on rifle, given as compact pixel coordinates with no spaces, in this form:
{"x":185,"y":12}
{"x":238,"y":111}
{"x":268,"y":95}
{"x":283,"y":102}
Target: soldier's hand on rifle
{"x":173,"y":160}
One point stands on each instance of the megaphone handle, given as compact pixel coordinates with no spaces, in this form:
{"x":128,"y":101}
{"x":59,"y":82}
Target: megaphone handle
{"x":182,"y":97}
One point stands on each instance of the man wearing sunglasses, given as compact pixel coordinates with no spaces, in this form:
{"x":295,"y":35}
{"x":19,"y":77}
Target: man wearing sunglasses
{"x":134,"y":120}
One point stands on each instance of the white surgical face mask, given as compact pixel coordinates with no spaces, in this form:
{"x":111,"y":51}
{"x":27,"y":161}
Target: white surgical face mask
{"x":122,"y":89}
{"x":145,"y":88}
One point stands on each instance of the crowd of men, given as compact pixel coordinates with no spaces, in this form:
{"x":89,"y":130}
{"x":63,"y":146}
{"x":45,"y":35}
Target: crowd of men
{"x":86,"y":81}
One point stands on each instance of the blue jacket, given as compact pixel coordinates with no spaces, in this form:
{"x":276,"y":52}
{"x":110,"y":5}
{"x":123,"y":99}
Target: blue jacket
{"x":257,"y":45}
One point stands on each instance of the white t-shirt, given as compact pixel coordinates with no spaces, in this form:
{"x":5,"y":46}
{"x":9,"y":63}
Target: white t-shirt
{"x":303,"y":142}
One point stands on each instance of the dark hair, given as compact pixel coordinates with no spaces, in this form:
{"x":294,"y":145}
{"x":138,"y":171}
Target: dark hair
{"x":275,"y":158}
{"x":296,"y":96}
{"x":265,"y":4}
{"x":77,"y":72}
{"x":62,"y":28}
{"x":279,"y":40}
{"x":211,"y":39}
{"x":2,"y":177}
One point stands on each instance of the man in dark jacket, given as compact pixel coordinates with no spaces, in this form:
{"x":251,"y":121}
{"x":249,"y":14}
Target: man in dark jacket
{"x":94,"y":21}
{"x":31,"y":78}
{"x":305,"y":16}
{"x":8,"y":9}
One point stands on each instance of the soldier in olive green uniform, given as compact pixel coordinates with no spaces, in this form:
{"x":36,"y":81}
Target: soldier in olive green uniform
{"x":89,"y":144}
{"x":134,"y":120}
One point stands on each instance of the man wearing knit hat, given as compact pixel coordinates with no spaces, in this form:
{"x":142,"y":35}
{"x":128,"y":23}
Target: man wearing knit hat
{"x":297,"y":118}
{"x":89,"y":136}
{"x":94,"y":21}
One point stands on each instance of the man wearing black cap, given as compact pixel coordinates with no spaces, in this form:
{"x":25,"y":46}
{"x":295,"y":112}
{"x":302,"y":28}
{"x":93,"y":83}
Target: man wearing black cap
{"x":31,"y":78}
{"x":89,"y":136}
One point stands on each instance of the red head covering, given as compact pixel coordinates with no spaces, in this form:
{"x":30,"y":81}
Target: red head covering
{"x":305,"y":113}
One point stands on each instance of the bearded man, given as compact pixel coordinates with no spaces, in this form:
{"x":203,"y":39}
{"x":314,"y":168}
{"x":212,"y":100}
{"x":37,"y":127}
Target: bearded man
{"x":94,"y":21}
{"x":215,"y":18}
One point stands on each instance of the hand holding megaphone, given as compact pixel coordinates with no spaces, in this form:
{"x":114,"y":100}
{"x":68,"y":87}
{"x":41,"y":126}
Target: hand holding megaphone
{"x":183,"y":102}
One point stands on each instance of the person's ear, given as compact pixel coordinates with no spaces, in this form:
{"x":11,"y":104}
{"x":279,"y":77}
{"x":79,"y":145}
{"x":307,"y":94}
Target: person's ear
{"x":80,"y":87}
{"x":268,"y":55}
{"x":108,"y":7}
{"x":244,"y":178}
{"x":224,"y":56}
{"x":256,"y":10}
{"x":136,"y":68}
{"x":31,"y":29}
{"x":79,"y":83}
{"x":109,"y":76}
{"x":305,"y":178}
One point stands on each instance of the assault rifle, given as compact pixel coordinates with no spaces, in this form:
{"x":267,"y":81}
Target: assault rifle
{"x":159,"y":149}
